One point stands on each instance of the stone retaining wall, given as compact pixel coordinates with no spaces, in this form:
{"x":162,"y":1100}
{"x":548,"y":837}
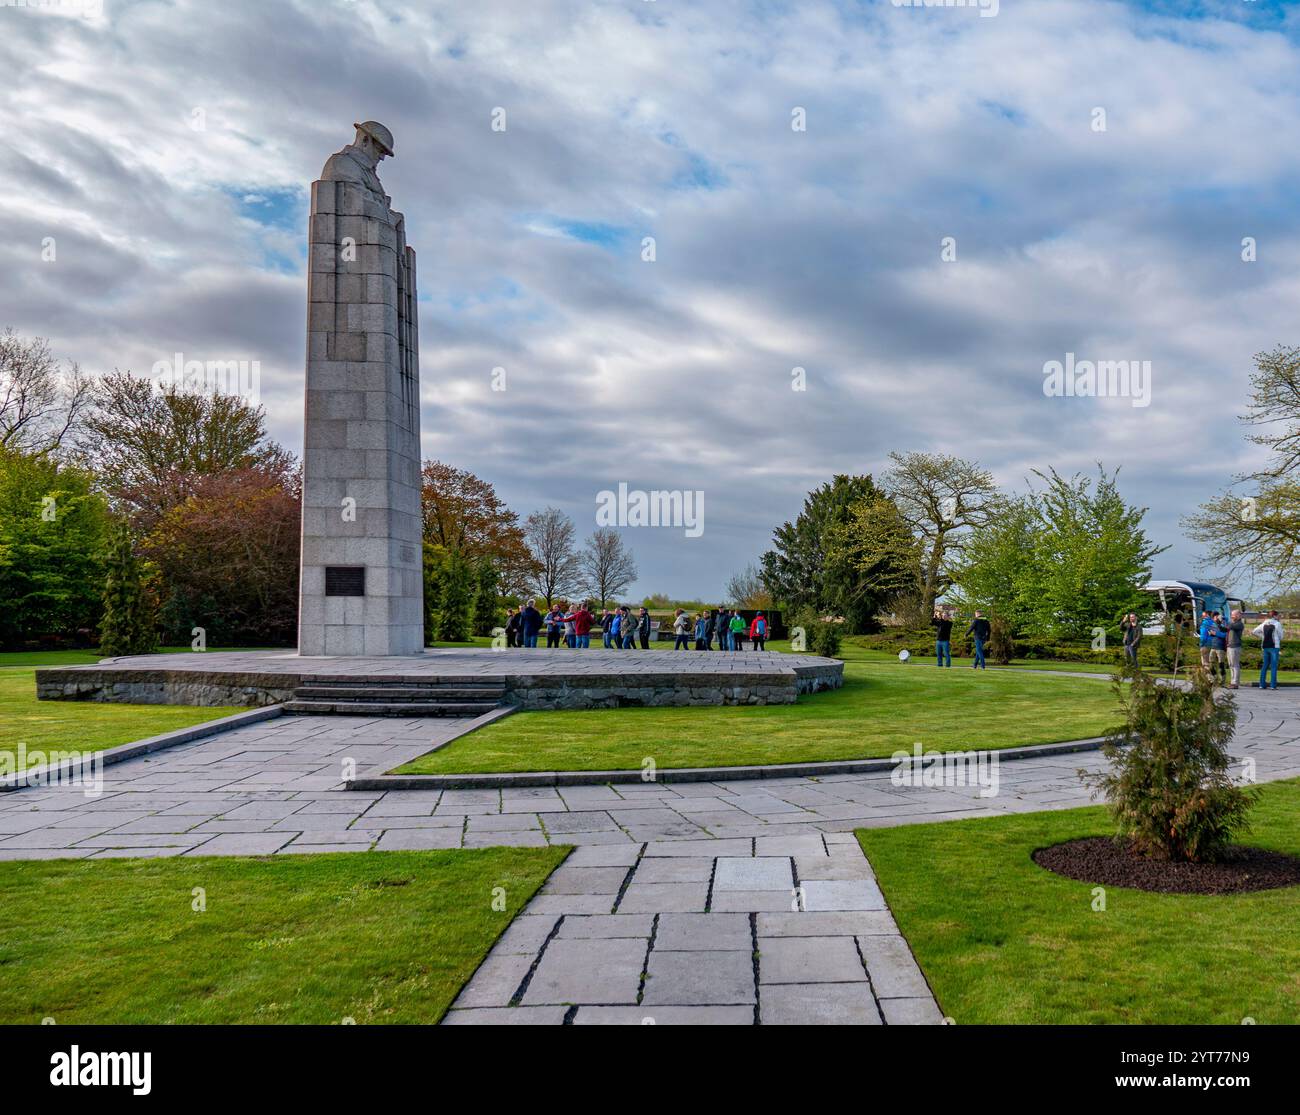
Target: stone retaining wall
{"x":653,"y":689}
{"x":164,"y":687}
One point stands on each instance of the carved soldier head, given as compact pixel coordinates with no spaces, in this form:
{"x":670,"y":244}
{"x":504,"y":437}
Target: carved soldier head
{"x":375,"y":140}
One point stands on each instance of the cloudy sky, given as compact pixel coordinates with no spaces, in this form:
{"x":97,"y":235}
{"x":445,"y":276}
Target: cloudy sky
{"x":168,"y":149}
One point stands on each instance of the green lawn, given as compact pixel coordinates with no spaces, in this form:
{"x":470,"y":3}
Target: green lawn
{"x":45,"y":726}
{"x":375,"y":937}
{"x":1002,"y":940}
{"x":87,"y":657}
{"x":884,"y":706}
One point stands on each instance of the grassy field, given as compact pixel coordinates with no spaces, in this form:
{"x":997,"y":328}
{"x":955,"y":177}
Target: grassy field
{"x":884,"y":706}
{"x":44,"y":726}
{"x":375,"y":937}
{"x":1002,"y":940}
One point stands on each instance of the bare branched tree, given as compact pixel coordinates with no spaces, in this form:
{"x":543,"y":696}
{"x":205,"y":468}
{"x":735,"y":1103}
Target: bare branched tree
{"x":607,"y":565}
{"x":1253,"y":534}
{"x":747,"y":590}
{"x":551,"y":537}
{"x":41,"y":402}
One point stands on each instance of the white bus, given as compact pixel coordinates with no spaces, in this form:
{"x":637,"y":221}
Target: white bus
{"x":1190,"y":598}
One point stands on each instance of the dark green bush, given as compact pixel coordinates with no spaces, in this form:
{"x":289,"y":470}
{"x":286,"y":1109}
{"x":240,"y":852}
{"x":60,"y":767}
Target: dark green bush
{"x":820,"y":637}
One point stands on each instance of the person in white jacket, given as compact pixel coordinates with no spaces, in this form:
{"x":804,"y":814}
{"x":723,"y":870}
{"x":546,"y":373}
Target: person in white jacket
{"x":1270,"y":634}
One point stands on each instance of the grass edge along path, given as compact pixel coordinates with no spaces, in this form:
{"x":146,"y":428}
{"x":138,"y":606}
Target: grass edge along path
{"x":44,"y":727}
{"x":370,"y":936}
{"x":1004,"y":941}
{"x":882,"y":708}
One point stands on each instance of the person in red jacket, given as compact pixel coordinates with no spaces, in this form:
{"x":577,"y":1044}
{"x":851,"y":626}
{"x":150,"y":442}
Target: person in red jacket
{"x":758,"y":631}
{"x":581,"y":620}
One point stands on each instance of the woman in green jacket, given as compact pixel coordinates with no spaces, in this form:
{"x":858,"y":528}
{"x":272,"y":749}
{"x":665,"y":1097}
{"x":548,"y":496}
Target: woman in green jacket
{"x":737,"y":627}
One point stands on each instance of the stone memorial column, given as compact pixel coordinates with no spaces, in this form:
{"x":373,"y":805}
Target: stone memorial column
{"x":362,"y":589}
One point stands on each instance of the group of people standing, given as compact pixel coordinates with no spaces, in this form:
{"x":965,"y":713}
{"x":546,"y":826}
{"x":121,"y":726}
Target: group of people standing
{"x":524,"y":626}
{"x":623,"y":630}
{"x":980,"y":630}
{"x":728,"y":627}
{"x":1220,"y":646}
{"x":1219,"y":638}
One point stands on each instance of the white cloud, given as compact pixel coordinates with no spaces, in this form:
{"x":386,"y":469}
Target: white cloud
{"x":775,"y":248}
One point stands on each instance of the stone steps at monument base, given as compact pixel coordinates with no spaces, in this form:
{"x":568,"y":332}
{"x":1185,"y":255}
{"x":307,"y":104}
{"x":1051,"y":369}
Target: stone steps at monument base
{"x":386,"y":694}
{"x":388,"y":708}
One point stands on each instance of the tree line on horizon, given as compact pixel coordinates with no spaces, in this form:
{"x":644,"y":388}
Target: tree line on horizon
{"x":1054,"y":561}
{"x":145,"y":512}
{"x":133,"y":513}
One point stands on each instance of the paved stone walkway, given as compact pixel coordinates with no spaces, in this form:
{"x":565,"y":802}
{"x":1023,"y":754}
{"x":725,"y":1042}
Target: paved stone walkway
{"x":772,"y":929}
{"x":666,"y":881}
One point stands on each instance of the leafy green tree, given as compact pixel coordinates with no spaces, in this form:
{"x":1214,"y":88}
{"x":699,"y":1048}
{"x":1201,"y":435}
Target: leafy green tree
{"x":878,"y":545}
{"x":455,"y":597}
{"x":810,"y":567}
{"x":1168,"y":788}
{"x":1059,"y":561}
{"x":150,"y":446}
{"x":127,"y":627}
{"x":435,"y":561}
{"x":53,"y":530}
{"x":1090,"y":556}
{"x":942,"y":499}
{"x":993,"y":574}
{"x":226,"y":560}
{"x":486,"y":609}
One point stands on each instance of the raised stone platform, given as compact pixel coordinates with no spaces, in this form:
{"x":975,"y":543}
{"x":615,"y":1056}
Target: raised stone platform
{"x":529,"y":679}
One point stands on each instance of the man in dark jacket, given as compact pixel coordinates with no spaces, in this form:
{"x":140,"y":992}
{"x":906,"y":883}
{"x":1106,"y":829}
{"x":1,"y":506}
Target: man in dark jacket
{"x":643,"y":628}
{"x":530,"y":623}
{"x":1132,"y":631}
{"x":721,"y":628}
{"x":942,"y":624}
{"x":979,"y":630}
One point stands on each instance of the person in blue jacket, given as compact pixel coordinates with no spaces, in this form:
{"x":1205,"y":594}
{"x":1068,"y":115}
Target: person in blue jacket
{"x":1207,"y":626}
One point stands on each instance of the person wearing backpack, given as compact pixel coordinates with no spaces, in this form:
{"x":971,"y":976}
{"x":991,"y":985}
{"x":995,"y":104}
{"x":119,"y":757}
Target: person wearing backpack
{"x":736,"y":625}
{"x":681,"y":630}
{"x":1270,"y":634}
{"x":758,"y":632}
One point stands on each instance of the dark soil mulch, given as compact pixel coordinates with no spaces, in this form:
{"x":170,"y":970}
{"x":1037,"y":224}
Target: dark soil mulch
{"x":1099,"y":859}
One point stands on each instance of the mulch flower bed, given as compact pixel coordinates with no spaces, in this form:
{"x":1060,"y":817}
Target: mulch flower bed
{"x":1099,"y":859}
